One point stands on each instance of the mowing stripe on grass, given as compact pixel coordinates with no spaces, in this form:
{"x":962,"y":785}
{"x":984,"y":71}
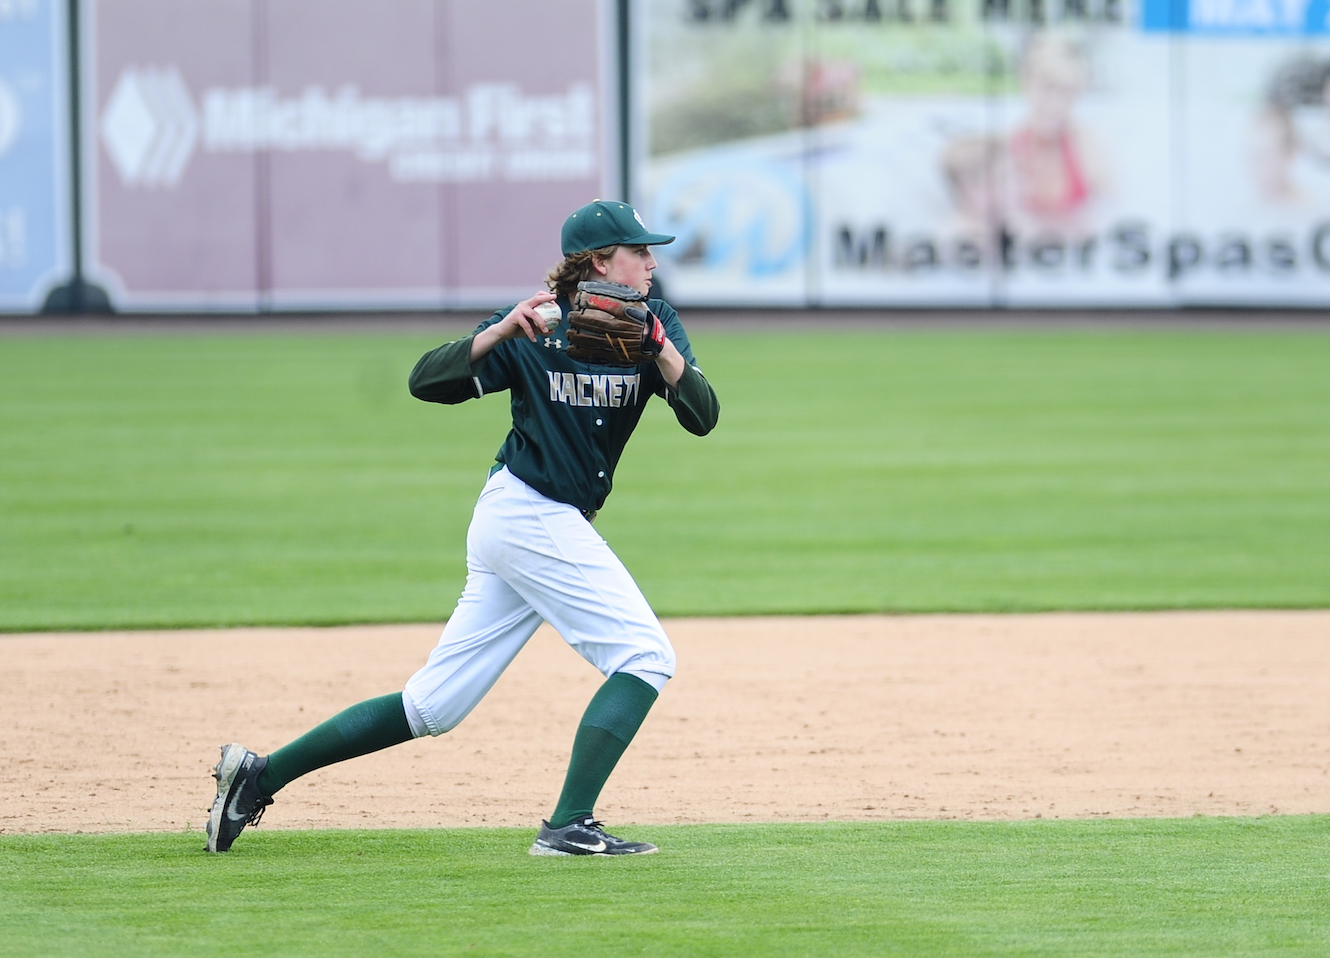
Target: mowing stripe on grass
{"x":1232,"y":887}
{"x":289,"y":479}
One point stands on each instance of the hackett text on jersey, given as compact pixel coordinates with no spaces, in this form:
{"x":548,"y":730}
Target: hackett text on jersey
{"x":587,"y":389}
{"x":571,"y":420}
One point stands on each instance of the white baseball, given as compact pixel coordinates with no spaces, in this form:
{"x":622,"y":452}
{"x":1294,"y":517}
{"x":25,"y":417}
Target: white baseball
{"x":550,"y":312}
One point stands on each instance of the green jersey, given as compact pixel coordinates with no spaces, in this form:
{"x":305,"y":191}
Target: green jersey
{"x":571,"y":420}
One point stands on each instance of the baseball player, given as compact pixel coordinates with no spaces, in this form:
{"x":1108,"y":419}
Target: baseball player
{"x":579,"y":364}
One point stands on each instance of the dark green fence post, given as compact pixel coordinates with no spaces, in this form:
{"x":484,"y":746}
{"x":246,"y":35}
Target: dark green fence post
{"x":76,"y":296}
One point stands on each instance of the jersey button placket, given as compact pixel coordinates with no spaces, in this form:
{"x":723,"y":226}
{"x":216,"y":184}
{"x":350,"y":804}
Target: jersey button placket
{"x":601,"y":452}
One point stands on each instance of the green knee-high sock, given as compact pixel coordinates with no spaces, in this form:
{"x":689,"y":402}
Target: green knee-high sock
{"x":609,"y":724}
{"x":363,"y":728}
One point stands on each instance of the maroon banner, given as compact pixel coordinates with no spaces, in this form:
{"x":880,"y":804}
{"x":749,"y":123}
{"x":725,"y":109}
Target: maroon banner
{"x":339,"y":153}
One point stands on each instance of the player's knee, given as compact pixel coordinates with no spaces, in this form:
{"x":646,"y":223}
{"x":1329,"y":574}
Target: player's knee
{"x":654,"y":664}
{"x":656,"y":680}
{"x":419,"y":727}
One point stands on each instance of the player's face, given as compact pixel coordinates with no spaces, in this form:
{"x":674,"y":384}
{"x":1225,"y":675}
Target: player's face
{"x":632,"y":266}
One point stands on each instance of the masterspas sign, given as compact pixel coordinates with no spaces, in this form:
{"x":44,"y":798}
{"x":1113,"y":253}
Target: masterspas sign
{"x":990,"y":152}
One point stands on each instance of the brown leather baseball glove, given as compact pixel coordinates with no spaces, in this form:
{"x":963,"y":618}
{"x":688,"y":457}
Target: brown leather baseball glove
{"x":610,"y":325}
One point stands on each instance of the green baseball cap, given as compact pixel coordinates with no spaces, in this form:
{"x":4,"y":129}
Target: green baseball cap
{"x":607,"y":223}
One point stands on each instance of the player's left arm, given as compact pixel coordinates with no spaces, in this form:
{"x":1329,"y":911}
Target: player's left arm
{"x":671,"y":363}
{"x":685,"y":388}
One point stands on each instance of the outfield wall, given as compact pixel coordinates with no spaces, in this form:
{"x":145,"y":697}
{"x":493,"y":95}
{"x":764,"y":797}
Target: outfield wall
{"x":253,"y":155}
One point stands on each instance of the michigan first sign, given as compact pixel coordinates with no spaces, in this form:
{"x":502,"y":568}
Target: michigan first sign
{"x":338,"y":153}
{"x":34,"y":177}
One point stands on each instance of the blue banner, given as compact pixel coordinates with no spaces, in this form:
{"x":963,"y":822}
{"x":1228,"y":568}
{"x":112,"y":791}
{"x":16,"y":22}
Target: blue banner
{"x":34,"y":173}
{"x":1244,"y":18}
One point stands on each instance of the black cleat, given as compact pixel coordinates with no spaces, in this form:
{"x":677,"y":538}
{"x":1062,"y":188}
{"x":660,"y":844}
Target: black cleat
{"x":239,"y":801}
{"x":585,"y":838}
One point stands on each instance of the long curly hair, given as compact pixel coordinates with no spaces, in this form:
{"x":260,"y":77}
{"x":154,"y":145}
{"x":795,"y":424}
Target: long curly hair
{"x":576,"y":268}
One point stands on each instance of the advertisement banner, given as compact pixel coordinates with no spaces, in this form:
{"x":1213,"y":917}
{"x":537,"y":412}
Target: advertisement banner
{"x":255,"y":154}
{"x":988,"y":152}
{"x":34,"y":172}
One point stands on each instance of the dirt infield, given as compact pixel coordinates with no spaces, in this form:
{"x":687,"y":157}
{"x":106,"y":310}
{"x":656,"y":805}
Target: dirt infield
{"x":769,"y":719}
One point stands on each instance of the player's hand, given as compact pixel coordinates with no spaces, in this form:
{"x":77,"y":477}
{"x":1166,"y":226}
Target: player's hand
{"x":523,"y":320}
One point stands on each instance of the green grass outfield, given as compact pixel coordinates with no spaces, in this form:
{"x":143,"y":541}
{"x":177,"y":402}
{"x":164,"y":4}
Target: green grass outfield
{"x":1204,"y":887}
{"x":201,"y":479}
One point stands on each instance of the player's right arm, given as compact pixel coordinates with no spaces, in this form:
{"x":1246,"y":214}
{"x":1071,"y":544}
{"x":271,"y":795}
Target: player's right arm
{"x":469,"y":368}
{"x":521,"y":320}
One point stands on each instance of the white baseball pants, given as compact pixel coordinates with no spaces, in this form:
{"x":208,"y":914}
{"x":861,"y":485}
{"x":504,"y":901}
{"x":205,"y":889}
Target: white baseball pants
{"x":531,"y":559}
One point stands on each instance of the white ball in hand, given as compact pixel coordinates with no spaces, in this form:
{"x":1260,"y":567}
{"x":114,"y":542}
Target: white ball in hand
{"x":550,"y":312}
